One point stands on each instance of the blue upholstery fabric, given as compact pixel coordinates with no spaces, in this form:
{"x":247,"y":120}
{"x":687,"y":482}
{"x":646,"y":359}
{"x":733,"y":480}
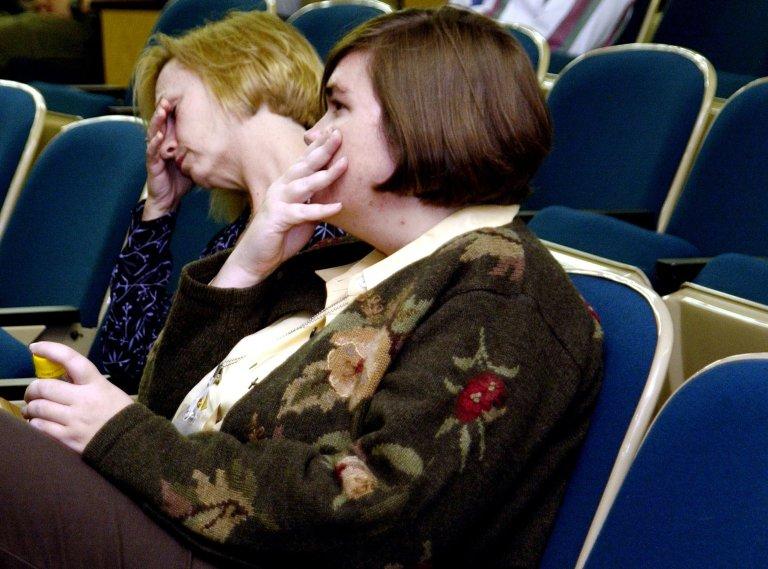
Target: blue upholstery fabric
{"x":609,"y":237}
{"x":721,"y":209}
{"x":177,"y":17}
{"x":194,"y":228}
{"x":730,"y":33}
{"x":73,"y":101}
{"x":180,"y":16}
{"x":528,"y":45}
{"x":326,"y":25}
{"x":724,"y":205}
{"x":630,"y":329}
{"x":696,"y":494}
{"x":17,"y":114}
{"x":622,"y":120}
{"x":739,"y":275}
{"x":71,"y":218}
{"x":15,"y":359}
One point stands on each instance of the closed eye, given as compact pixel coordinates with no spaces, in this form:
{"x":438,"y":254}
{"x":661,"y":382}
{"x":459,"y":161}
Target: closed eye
{"x":335,"y":105}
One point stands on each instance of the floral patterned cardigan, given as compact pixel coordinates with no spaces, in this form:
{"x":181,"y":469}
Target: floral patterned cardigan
{"x":432,"y":423}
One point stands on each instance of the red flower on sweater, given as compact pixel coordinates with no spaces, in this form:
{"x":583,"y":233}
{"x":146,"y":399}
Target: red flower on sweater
{"x":484,"y":391}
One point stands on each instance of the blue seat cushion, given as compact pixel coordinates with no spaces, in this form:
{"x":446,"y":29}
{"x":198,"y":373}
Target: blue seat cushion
{"x":73,"y":101}
{"x":15,"y":359}
{"x":609,"y":237}
{"x":736,"y":274}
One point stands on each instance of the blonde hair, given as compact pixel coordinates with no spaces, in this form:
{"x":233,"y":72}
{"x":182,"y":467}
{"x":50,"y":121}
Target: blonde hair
{"x":246,"y":60}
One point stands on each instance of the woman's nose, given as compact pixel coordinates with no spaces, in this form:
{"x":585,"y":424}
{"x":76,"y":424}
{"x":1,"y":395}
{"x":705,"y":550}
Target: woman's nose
{"x":311,"y":135}
{"x":168,"y":146}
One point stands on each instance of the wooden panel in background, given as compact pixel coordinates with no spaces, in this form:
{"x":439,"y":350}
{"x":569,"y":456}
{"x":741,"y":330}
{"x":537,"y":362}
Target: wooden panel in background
{"x":124,"y":32}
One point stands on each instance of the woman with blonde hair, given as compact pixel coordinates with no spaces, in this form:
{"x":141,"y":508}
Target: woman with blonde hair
{"x":226,"y":107}
{"x":414,"y":400}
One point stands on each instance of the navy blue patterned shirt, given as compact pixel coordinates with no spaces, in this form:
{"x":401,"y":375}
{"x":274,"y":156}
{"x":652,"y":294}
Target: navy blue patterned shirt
{"x":140,"y":300}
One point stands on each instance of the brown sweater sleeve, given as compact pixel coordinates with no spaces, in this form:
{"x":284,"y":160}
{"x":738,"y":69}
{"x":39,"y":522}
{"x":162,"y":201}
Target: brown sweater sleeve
{"x":481,"y":402}
{"x":206,"y":322}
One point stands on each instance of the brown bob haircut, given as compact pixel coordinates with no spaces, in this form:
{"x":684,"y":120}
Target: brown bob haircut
{"x":462,"y":111}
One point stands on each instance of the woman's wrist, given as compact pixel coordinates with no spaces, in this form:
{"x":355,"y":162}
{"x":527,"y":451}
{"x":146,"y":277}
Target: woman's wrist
{"x":153,"y":210}
{"x":233,"y":275}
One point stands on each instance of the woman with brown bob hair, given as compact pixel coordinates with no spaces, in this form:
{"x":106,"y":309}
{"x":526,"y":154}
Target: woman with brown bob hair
{"x":415,"y":404}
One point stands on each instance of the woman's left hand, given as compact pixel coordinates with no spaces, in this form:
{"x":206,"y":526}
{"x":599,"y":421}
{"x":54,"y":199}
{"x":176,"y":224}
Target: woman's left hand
{"x":284,"y":221}
{"x":71,"y":413}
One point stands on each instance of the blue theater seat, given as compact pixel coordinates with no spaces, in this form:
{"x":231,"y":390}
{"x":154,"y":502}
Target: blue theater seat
{"x":325,"y":23}
{"x":637,"y":341}
{"x":696,"y":495}
{"x":70,"y":220}
{"x":722,"y":208}
{"x":740,"y":275}
{"x":626,"y":121}
{"x":730,"y":33}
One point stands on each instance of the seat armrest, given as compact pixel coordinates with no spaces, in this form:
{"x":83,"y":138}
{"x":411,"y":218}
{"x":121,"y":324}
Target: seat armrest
{"x":47,"y":315}
{"x":671,"y":273}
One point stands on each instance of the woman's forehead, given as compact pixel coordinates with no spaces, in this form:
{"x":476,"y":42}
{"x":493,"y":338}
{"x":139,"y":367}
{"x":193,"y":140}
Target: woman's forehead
{"x":350,"y":72}
{"x":174,"y":76}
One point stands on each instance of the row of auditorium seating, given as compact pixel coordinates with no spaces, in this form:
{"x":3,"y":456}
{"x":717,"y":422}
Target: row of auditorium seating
{"x":719,"y":208}
{"x":61,"y":234}
{"x":732,"y":34}
{"x":607,"y":107}
{"x":640,"y":336}
{"x":323,"y":24}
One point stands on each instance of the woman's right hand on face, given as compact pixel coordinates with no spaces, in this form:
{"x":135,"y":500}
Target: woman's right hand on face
{"x":166,"y":184}
{"x":285,"y":219}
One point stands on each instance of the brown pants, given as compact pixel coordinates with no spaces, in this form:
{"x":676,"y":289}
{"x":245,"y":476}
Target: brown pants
{"x":55,"y":511}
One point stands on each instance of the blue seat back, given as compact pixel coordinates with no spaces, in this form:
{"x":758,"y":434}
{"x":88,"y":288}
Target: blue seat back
{"x":194,"y":229}
{"x":325,"y":23}
{"x":623,"y":118}
{"x":181,"y":16}
{"x":637,"y":337}
{"x":73,"y":101}
{"x":15,"y":359}
{"x":724,"y":205}
{"x":730,"y":33}
{"x":70,"y":221}
{"x":736,"y":274}
{"x":18,"y":112}
{"x":696,"y":494}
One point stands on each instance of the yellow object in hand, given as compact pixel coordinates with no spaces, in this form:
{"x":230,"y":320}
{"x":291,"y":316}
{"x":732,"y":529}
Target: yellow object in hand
{"x":47,"y":369}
